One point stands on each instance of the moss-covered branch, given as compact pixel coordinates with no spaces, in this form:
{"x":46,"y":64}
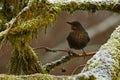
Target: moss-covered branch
{"x":91,"y":6}
{"x":42,"y":12}
{"x":25,"y":77}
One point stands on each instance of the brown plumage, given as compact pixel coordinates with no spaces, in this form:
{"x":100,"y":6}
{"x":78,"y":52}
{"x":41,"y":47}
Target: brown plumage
{"x":78,"y":37}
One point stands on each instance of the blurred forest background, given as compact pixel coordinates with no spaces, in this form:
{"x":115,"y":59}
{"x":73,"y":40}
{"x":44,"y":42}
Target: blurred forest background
{"x":99,"y":25}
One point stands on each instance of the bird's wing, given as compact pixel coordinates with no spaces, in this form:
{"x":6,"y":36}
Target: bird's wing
{"x":71,"y":40}
{"x":88,"y":37}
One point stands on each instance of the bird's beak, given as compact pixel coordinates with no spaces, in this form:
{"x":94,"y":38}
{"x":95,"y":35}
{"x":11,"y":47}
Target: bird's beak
{"x":69,"y":23}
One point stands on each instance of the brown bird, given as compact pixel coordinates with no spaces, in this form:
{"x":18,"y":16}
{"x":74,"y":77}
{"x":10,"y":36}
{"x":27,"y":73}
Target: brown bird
{"x":78,"y":37}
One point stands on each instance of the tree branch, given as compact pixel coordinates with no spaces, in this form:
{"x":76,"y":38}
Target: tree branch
{"x":66,"y":51}
{"x":74,"y":70}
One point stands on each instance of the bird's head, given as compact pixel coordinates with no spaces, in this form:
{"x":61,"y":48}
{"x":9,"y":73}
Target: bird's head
{"x":75,"y":25}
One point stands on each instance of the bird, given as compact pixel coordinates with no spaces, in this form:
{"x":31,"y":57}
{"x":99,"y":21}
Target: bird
{"x":78,"y":38}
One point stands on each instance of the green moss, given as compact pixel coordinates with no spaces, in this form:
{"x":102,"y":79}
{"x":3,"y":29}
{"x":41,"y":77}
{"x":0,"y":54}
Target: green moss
{"x":89,"y":6}
{"x":26,"y":77}
{"x":9,"y":77}
{"x":24,"y":60}
{"x":12,"y":7}
{"x":40,"y":77}
{"x":118,"y":78}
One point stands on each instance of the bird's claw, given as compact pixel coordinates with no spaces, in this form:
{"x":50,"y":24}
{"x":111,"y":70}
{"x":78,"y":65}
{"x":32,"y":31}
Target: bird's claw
{"x":71,"y":53}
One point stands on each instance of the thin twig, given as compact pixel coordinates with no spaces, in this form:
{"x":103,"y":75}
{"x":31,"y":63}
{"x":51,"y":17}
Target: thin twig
{"x":66,"y":51}
{"x":76,"y":68}
{"x":50,"y":50}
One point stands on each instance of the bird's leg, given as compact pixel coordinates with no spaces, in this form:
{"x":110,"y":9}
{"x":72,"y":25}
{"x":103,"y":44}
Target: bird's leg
{"x":70,"y":52}
{"x":84,"y":53}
